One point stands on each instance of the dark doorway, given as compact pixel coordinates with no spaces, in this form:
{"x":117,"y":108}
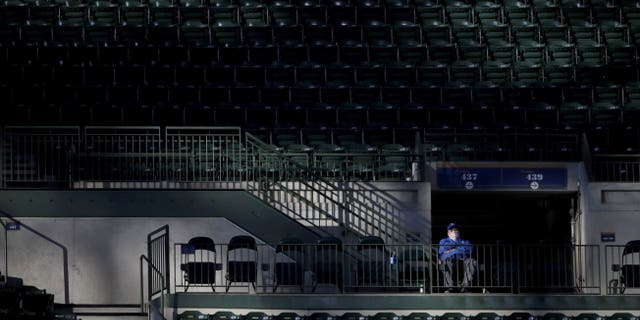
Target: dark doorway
{"x":504,"y":217}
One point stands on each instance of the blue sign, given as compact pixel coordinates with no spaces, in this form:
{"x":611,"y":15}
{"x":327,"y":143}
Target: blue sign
{"x":12,"y":226}
{"x":472,"y":178}
{"x":535,"y":178}
{"x":608,"y":237}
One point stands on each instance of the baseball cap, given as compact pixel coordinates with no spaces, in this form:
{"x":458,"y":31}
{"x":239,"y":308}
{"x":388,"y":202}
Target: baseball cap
{"x":452,"y":225}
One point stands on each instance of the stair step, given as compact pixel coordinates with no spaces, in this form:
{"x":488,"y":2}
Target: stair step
{"x":113,"y":311}
{"x":111,"y":314}
{"x":111,"y":317}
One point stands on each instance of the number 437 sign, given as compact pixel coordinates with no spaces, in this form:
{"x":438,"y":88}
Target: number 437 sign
{"x":472,"y":178}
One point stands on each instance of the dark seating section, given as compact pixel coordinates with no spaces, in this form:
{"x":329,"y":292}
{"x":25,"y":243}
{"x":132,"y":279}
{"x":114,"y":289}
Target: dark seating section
{"x":393,"y":316}
{"x":25,"y":302}
{"x":467,"y":75}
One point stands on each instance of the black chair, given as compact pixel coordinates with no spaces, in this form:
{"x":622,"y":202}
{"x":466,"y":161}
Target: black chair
{"x":202,"y":270}
{"x":328,"y":265}
{"x":289,"y":266}
{"x":372,"y":267}
{"x":631,"y":269}
{"x":241,"y":267}
{"x":413,"y":268}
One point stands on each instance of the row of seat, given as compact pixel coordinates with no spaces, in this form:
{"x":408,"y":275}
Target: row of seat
{"x":536,"y":3}
{"x":403,"y":35}
{"x":281,"y":12}
{"x":360,"y":96}
{"x":309,"y":77}
{"x":226,"y":315}
{"x":497,"y":64}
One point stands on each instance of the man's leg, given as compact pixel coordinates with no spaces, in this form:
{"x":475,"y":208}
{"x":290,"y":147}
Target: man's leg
{"x":469,"y":271}
{"x":448,"y":274}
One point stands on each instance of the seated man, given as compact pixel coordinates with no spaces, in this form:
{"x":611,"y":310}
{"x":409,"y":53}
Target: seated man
{"x":452,"y":251}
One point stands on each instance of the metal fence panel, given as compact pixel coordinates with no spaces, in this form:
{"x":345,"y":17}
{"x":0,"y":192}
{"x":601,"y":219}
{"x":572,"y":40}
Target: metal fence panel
{"x":39,"y":156}
{"x":376,"y":267}
{"x":622,"y":263}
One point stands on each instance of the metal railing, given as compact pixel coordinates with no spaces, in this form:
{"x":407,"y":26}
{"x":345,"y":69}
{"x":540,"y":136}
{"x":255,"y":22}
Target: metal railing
{"x":623,"y":268}
{"x":61,"y":156}
{"x":313,"y":199}
{"x":616,"y":167}
{"x":486,"y":145}
{"x":157,"y":272}
{"x":158,"y":263}
{"x":323,"y":268}
{"x":38,"y":156}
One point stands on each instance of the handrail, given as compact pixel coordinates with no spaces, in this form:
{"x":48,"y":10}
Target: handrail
{"x":617,"y":155}
{"x":144,"y":258}
{"x":366,"y":206}
{"x":310,"y":203}
{"x":369,"y":208}
{"x":65,"y":262}
{"x":328,"y":186}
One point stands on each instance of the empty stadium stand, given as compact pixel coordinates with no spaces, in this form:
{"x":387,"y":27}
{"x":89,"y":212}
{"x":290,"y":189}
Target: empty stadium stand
{"x":327,"y":131}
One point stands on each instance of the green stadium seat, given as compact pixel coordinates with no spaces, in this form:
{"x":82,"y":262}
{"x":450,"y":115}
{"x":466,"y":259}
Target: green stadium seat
{"x":385,"y":316}
{"x":527,"y":74}
{"x":413,"y":53}
{"x":191,"y":314}
{"x":428,"y":12}
{"x":320,"y":316}
{"x":588,"y":316}
{"x":555,"y":316}
{"x":256,"y":316}
{"x":227,"y":34}
{"x":288,"y":316}
{"x":224,"y":315}
{"x":622,"y":316}
{"x":253,"y":13}
{"x":282,"y":13}
{"x":453,"y":316}
{"x":521,"y":316}
{"x":487,"y":316}
{"x":353,"y":316}
{"x":310,"y":11}
{"x":574,"y":115}
{"x":406,"y":32}
{"x":419,"y":316}
{"x":497,"y":72}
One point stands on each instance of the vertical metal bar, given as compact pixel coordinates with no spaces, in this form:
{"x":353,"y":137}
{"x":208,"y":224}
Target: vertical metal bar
{"x":149,"y":279}
{"x":166,"y":251}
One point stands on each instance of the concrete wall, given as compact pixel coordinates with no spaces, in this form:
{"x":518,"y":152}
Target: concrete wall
{"x":102,"y":253}
{"x":612,"y":207}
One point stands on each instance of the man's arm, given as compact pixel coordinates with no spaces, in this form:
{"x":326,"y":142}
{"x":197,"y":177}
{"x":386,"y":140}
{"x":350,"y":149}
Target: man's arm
{"x":445,"y":249}
{"x":467,"y":248}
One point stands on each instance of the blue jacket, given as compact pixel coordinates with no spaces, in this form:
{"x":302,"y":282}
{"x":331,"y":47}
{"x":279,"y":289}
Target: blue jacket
{"x":460,"y":249}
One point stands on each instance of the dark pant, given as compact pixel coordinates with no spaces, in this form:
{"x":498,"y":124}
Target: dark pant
{"x":453,"y":267}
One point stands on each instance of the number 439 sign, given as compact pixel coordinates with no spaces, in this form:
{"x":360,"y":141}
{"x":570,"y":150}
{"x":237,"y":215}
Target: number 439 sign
{"x":471,"y":178}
